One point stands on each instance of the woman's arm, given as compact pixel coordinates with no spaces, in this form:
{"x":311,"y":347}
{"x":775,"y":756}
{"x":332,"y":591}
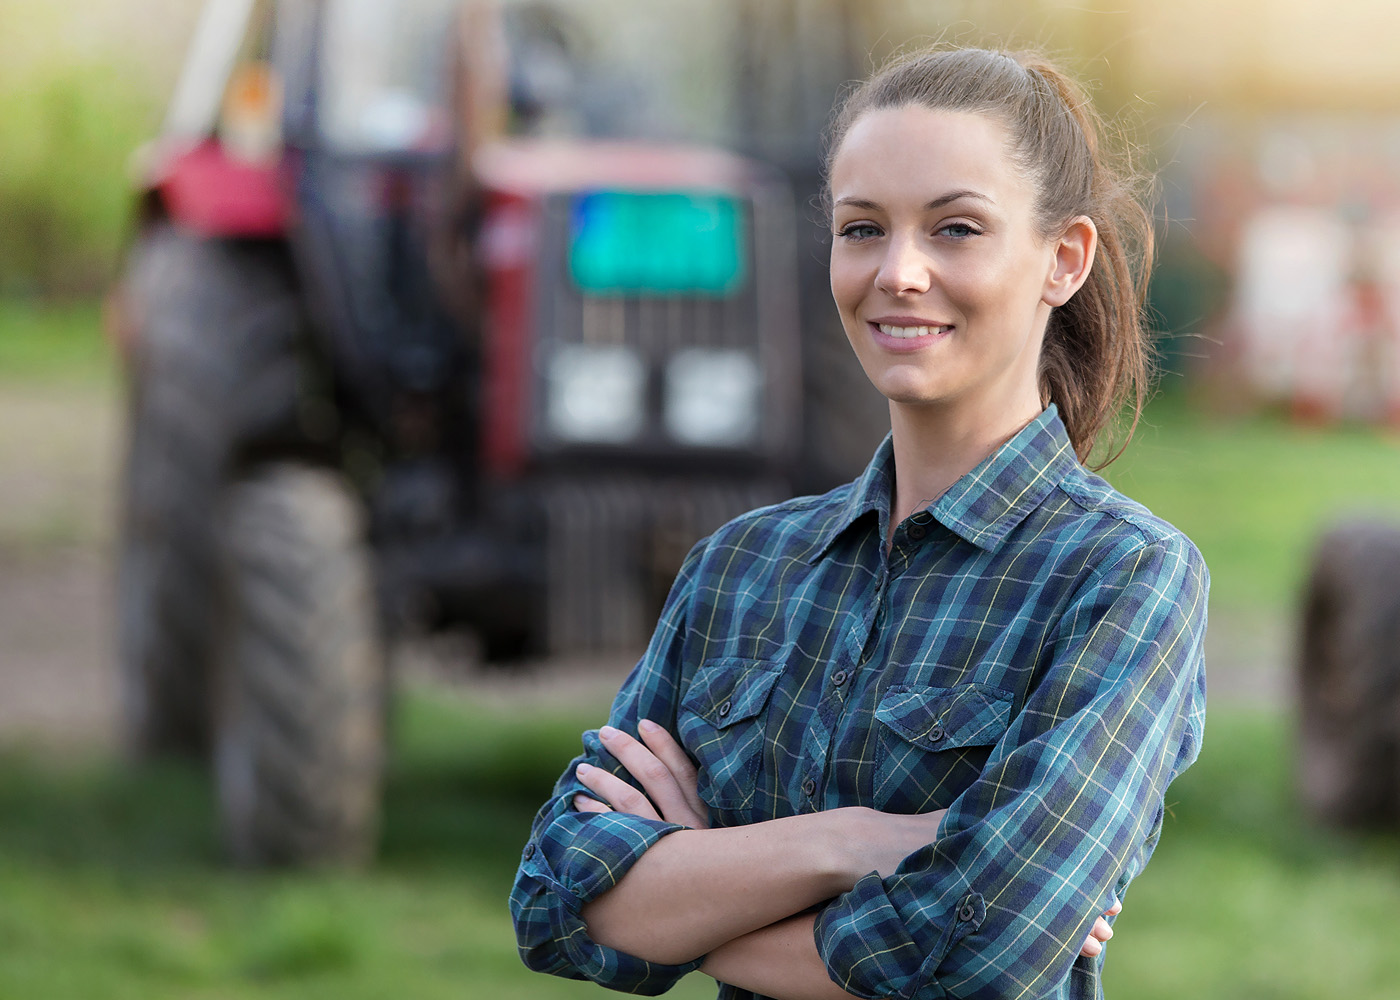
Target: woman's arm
{"x":696,"y":889}
{"x":739,"y":886}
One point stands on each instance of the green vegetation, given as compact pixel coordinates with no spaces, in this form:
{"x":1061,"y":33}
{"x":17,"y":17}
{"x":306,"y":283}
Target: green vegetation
{"x":1253,"y":493}
{"x":64,"y":183}
{"x":1245,"y":899}
{"x":114,"y":889}
{"x":82,"y":85}
{"x":52,"y":342}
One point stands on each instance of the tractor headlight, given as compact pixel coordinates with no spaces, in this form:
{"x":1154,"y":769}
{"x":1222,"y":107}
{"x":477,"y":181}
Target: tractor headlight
{"x":712,"y":397}
{"x":595,"y":394}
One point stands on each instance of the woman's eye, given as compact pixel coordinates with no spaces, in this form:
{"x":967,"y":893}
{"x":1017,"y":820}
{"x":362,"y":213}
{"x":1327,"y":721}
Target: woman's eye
{"x":859,"y":231}
{"x":959,"y":230}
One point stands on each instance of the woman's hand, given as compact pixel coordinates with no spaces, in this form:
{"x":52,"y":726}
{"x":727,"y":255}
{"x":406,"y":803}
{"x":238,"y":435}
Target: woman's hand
{"x":670,"y":785}
{"x":1101,"y":932}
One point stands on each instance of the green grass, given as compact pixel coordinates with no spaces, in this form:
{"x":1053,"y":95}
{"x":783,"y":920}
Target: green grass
{"x":1254,"y":493}
{"x":114,"y":888}
{"x":47,"y":342}
{"x":1246,"y":898}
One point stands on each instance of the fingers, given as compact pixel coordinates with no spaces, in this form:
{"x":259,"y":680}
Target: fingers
{"x":661,"y":795}
{"x":669,"y":751}
{"x":1098,"y":935}
{"x":584,"y":804}
{"x":1115,"y":909}
{"x":613,"y":791}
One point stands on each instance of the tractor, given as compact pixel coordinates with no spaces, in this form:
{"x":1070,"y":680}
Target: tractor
{"x":1349,"y":676}
{"x":403,"y":353}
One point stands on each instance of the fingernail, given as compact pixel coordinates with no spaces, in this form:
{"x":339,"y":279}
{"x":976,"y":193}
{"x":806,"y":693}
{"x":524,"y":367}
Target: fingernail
{"x":647,"y":726}
{"x":609,"y":733}
{"x":583,"y":769}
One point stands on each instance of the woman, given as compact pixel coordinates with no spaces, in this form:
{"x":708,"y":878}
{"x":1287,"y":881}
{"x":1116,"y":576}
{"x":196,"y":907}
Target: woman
{"x":911,"y":738}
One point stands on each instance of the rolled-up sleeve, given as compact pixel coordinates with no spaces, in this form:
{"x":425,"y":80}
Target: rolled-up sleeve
{"x":1065,"y":812}
{"x":573,"y":857}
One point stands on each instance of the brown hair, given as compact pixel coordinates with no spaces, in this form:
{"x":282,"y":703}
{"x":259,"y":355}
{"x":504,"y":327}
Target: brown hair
{"x":1096,"y":355}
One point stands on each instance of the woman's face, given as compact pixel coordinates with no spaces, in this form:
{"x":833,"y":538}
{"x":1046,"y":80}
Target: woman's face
{"x":943,"y":284}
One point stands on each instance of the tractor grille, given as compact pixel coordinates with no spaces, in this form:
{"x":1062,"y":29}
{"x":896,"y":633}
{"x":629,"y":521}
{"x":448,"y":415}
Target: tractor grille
{"x":615,"y":545}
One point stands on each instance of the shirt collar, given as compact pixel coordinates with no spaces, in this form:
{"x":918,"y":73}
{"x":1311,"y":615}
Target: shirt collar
{"x":984,"y":505}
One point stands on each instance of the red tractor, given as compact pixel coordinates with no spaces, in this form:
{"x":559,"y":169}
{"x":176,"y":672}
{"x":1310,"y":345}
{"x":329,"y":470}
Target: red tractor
{"x":389,"y":365}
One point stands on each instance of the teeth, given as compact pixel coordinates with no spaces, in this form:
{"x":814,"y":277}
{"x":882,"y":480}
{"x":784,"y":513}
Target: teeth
{"x":910,"y":332}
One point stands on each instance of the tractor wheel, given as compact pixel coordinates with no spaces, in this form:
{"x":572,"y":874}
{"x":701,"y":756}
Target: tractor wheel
{"x":1349,"y":747}
{"x":299,"y":692}
{"x":214,"y":366}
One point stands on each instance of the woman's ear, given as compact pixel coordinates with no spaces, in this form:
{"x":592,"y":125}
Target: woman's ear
{"x":1074,"y":256}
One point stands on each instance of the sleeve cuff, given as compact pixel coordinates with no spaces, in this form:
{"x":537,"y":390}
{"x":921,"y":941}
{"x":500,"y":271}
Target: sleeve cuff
{"x":572,"y":861}
{"x":869,"y":951}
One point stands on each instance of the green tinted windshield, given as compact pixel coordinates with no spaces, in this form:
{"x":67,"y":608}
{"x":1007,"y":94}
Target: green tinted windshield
{"x":657,"y":244}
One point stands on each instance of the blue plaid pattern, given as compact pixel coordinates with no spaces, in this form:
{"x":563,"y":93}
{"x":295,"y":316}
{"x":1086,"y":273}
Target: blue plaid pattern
{"x":1027,"y":655}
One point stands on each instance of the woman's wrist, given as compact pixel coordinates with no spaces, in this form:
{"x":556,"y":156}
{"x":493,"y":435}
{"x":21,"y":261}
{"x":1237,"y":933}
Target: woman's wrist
{"x":845,"y":836}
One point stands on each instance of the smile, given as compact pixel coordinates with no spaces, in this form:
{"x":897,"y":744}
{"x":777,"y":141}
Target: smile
{"x":910,"y":332}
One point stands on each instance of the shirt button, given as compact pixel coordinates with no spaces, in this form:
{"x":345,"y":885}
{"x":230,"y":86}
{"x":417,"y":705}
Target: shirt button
{"x":529,"y":852}
{"x":936,"y":733}
{"x":808,"y":787}
{"x":917,"y":532}
{"x":724,"y":708}
{"x":838,"y":678}
{"x":967,"y":912}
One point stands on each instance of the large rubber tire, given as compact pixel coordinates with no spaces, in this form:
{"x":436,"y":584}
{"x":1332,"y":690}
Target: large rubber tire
{"x":214,"y":365}
{"x":1349,"y":677}
{"x":300,"y":694}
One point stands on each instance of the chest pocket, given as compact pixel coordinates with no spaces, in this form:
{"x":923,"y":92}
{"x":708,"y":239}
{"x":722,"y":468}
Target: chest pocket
{"x":721,"y":724}
{"x":932,"y":742}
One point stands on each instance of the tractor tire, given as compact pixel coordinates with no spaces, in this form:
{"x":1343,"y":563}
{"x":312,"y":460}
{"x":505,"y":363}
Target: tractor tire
{"x":300,"y":684}
{"x":1349,"y":677}
{"x":214,"y":365}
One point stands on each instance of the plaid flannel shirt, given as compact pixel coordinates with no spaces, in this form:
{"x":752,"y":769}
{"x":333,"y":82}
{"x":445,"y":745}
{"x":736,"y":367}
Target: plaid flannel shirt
{"x":1027,"y":655}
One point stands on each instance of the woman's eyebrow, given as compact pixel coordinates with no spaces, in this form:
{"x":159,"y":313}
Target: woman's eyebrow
{"x":939,"y":202}
{"x":953,"y":196}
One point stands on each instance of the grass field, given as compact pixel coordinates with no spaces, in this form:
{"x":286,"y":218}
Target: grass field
{"x":42,"y":343}
{"x":113,"y":885}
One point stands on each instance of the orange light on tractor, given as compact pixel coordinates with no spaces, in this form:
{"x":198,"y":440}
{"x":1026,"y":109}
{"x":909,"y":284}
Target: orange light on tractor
{"x":250,"y":121}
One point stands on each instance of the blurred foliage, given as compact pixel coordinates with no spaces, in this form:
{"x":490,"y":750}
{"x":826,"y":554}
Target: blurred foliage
{"x":1246,"y":898}
{"x":53,"y":342}
{"x":67,"y":134}
{"x":114,"y":886}
{"x":1254,"y":492}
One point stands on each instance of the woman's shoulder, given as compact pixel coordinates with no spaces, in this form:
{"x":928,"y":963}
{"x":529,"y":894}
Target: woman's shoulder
{"x":1108,"y":516}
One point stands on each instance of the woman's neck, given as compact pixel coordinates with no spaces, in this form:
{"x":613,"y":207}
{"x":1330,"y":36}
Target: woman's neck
{"x":935,"y":446}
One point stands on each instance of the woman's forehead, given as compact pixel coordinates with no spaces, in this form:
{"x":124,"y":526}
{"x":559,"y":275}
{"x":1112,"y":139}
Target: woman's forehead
{"x":916,"y":153}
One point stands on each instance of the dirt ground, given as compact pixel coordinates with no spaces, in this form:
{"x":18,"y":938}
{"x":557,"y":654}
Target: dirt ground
{"x":60,"y":448}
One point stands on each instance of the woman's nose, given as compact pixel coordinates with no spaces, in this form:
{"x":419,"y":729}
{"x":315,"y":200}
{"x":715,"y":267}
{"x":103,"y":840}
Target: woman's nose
{"x":904,"y":270}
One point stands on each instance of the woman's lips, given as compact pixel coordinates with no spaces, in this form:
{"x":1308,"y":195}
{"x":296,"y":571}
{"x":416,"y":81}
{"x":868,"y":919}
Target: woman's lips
{"x":906,"y":333}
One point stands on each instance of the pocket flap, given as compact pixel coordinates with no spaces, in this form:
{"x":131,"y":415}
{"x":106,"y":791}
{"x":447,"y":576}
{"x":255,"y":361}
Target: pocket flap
{"x":730,"y":690}
{"x":943,"y":718}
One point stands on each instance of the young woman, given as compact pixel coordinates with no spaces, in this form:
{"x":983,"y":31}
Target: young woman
{"x":912,"y":738}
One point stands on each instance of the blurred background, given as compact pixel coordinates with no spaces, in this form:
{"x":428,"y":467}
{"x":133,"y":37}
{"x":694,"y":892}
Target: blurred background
{"x":356,"y":407}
